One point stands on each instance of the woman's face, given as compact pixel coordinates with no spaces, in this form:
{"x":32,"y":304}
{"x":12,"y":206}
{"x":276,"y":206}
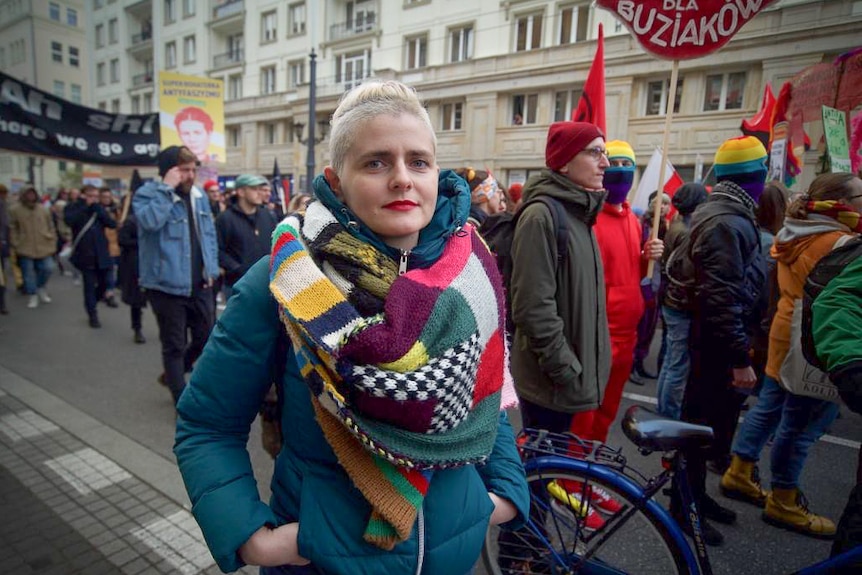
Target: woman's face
{"x":389,"y":178}
{"x":195,"y":137}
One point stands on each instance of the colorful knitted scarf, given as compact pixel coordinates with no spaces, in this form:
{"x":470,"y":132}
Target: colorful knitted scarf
{"x":838,"y":210}
{"x":405,"y":372}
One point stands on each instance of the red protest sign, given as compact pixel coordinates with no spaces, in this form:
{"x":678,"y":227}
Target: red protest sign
{"x":684,"y":29}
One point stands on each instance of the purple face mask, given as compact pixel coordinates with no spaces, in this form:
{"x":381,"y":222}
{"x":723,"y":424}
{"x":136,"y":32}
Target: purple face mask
{"x":618,"y":182}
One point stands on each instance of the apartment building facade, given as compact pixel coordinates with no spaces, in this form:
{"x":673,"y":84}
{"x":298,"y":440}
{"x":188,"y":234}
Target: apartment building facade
{"x":43,"y":43}
{"x":494,"y":73}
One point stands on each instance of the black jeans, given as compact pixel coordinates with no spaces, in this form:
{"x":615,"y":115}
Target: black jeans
{"x":178,"y":316}
{"x":137,"y":314}
{"x":95,"y":284}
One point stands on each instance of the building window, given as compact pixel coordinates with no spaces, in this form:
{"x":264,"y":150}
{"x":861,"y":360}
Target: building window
{"x":656,"y":99}
{"x":54,"y":11}
{"x":113,"y":31}
{"x":724,"y":91}
{"x":97,"y":4}
{"x":460,"y":43}
{"x":100,"y":35}
{"x":267,"y":80}
{"x":17,"y":52}
{"x":189,"y":52}
{"x":573,"y":23}
{"x":450,"y":116}
{"x":234,"y":47}
{"x":148,"y":103}
{"x":100,"y":74}
{"x":352,"y":68}
{"x":2,"y":58}
{"x":524,"y":108}
{"x":234,"y":87}
{"x":268,"y":27}
{"x":72,"y":17}
{"x":188,"y":8}
{"x":528,"y":33}
{"x":360,"y":16}
{"x":416,"y":52}
{"x":234,"y":138}
{"x":270,"y":133}
{"x":57,"y":52}
{"x":136,"y":104}
{"x":565,"y":102}
{"x":170,"y":11}
{"x":296,"y":19}
{"x":115,"y":70}
{"x":103,"y":106}
{"x":295,"y":73}
{"x":171,"y":55}
{"x":59,"y":89}
{"x":115,"y":106}
{"x":75,"y":93}
{"x":74,"y":56}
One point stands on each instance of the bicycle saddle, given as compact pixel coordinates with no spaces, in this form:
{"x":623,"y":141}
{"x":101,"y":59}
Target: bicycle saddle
{"x":649,"y":430}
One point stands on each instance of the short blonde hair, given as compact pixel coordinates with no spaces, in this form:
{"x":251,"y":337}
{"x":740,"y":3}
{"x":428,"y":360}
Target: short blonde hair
{"x":368,"y":101}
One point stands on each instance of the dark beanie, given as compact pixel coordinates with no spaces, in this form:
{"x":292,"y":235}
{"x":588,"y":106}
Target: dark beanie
{"x":168,"y":158}
{"x":688,"y":197}
{"x":565,"y":139}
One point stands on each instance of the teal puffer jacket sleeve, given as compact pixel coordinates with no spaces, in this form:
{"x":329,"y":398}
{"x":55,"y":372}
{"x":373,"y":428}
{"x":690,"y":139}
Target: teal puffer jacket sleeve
{"x":504,"y":475}
{"x":215,"y":413}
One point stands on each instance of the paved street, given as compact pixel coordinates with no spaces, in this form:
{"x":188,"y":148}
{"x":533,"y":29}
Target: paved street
{"x":88,"y":483}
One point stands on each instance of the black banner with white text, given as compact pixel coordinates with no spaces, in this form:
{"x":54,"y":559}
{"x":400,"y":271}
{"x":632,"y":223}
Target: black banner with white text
{"x":36,"y":122}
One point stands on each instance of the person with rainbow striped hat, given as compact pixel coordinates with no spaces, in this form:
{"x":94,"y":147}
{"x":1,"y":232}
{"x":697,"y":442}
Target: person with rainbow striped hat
{"x":730,"y":275}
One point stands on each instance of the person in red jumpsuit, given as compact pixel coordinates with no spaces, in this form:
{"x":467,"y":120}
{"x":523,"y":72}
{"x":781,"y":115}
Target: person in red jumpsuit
{"x":618,"y":233}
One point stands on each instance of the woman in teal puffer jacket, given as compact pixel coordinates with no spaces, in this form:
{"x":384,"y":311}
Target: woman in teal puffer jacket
{"x":397,"y":451}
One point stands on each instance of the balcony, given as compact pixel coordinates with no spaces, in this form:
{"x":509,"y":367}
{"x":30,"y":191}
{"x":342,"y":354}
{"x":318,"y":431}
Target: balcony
{"x":233,"y":58}
{"x":144,"y":36}
{"x":222,"y":9}
{"x":141,"y":80}
{"x":362,"y":24}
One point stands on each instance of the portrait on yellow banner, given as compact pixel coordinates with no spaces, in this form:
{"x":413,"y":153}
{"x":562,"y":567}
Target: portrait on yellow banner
{"x":191,"y":114}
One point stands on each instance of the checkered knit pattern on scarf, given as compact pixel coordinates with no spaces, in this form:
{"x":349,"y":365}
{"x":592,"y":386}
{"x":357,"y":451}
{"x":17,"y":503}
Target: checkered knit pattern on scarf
{"x":406,"y":372}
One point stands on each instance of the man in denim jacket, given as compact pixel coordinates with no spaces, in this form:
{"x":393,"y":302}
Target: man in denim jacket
{"x":178,"y":261}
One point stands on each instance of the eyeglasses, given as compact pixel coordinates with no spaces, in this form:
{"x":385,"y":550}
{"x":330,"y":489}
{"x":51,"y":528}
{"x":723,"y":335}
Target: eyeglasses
{"x":595,"y":153}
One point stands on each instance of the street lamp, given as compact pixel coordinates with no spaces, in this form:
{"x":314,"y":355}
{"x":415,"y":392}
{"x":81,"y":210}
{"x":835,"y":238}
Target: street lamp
{"x":311,"y":140}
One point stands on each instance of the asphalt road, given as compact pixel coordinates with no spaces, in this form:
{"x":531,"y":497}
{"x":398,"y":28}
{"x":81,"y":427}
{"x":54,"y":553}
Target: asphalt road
{"x":104,"y":374}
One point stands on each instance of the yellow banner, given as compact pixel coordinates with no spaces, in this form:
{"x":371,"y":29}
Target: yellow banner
{"x":191,"y":114}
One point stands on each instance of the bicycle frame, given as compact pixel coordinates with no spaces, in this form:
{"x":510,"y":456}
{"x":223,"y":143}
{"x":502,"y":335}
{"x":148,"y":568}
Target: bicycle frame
{"x":642,"y":495}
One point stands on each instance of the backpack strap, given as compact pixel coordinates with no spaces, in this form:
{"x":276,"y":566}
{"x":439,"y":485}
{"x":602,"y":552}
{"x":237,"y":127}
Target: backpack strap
{"x":558,"y":214}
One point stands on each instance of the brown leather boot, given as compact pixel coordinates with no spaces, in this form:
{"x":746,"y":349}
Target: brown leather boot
{"x":788,"y":509}
{"x":742,"y":481}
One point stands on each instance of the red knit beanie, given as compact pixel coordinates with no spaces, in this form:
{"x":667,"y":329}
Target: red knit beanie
{"x":565,"y":139}
{"x":515,"y":191}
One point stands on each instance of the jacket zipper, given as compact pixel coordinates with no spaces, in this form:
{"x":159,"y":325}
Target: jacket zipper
{"x":402,"y":264}
{"x":420,"y":531}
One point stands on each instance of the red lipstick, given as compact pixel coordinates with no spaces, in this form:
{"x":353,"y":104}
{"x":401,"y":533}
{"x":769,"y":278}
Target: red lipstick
{"x":401,"y":205}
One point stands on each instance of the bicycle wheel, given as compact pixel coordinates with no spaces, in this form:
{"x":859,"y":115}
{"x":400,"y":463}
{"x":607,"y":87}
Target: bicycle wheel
{"x":559,"y":540}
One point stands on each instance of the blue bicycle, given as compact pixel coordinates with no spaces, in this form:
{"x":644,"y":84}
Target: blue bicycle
{"x":567,"y":534}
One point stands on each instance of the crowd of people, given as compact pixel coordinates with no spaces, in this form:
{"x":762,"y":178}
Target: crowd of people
{"x":378,"y":310}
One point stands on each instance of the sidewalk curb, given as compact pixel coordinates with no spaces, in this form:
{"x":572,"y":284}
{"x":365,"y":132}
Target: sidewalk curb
{"x":151,"y":468}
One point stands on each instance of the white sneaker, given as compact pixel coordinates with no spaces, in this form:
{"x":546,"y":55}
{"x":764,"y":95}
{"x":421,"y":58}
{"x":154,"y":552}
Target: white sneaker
{"x":43,"y":295}
{"x":34,"y":301}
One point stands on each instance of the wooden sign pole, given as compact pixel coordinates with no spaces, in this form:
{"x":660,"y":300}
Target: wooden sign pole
{"x":671,"y":102}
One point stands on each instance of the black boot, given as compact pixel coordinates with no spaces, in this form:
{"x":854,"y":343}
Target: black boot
{"x":639,"y":374}
{"x":94,"y":322}
{"x":3,"y":309}
{"x":711,"y":509}
{"x":139,"y":337}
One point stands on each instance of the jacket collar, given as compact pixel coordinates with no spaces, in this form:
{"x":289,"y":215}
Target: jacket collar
{"x":583,"y":203}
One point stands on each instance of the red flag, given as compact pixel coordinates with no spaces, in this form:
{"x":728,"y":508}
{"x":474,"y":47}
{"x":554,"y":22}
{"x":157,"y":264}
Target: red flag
{"x":760,"y":125}
{"x":792,"y":164}
{"x":591,"y":106}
